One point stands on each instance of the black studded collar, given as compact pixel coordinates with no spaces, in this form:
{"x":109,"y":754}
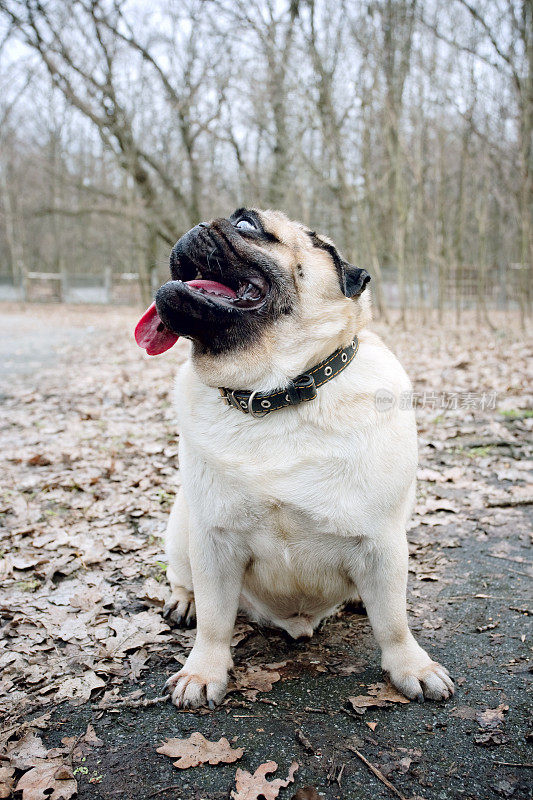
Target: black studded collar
{"x":300,"y":390}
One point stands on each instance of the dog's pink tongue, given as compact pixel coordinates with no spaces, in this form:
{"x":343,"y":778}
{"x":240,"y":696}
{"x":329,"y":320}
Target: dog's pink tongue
{"x":152,"y":334}
{"x":212,"y":287}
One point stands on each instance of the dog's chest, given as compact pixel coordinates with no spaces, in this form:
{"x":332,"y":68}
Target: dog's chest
{"x":291,"y":488}
{"x":292,"y":474}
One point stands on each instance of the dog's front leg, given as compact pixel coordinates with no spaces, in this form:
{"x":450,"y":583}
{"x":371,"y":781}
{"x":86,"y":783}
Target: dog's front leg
{"x":218,"y":566}
{"x":381,"y":577}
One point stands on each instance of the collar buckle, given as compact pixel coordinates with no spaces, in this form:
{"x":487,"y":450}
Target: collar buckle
{"x":230,"y":399}
{"x":224,"y":396}
{"x":255,"y":414}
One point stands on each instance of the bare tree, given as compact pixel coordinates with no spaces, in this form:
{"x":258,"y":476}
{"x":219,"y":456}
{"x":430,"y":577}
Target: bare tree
{"x":401,"y":127}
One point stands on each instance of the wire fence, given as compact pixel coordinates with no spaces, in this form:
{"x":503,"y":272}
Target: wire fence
{"x":502,"y":287}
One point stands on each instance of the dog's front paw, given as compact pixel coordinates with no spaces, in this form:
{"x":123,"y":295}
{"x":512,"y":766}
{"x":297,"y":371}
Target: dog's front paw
{"x":201,"y":682}
{"x":413,"y":672}
{"x":180,"y":607}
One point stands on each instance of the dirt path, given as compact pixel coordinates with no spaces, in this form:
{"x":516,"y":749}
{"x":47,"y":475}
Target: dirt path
{"x":29,"y":342}
{"x":89,"y":458}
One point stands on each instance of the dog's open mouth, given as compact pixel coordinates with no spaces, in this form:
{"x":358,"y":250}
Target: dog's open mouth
{"x":236,"y":293}
{"x":249,"y":293}
{"x":203,"y":276}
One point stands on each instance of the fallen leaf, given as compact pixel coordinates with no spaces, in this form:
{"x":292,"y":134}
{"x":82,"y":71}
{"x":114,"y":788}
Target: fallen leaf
{"x":453,"y":474}
{"x":491,"y":738}
{"x":241,"y":632}
{"x":379,"y":694}
{"x":505,"y":788}
{"x":91,"y":737}
{"x":427,"y":576}
{"x":430,"y":475}
{"x":63,"y":773}
{"x":79,"y":689}
{"x":76,"y":747}
{"x":144,"y":628}
{"x":72,"y":628}
{"x":492,"y":717}
{"x":372,"y":725}
{"x":87,"y":599}
{"x":305,"y":741}
{"x":6,"y":781}
{"x":43,"y":782}
{"x":196,"y":750}
{"x":253,"y":787}
{"x":253,"y":680}
{"x":37,"y":722}
{"x":348,"y":669}
{"x":26,"y":561}
{"x":464,"y":712}
{"x":27,"y":751}
{"x":137,"y":662}
{"x":402,"y":764}
{"x":154,"y":593}
{"x":436,"y":504}
{"x":306,"y":793}
{"x":38,"y":460}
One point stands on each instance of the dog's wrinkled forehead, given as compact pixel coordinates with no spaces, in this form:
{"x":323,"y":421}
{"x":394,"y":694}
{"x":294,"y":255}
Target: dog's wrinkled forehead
{"x":278,"y":227}
{"x":304,"y":249}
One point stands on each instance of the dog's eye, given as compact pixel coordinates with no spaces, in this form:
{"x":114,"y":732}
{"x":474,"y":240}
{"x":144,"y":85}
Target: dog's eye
{"x":245,"y":225}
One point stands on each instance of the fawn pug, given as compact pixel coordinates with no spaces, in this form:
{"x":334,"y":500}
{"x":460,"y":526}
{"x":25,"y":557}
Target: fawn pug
{"x":296,"y":485}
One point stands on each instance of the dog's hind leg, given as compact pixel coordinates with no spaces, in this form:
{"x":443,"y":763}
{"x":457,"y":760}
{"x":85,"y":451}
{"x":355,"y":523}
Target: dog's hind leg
{"x":180,"y":607}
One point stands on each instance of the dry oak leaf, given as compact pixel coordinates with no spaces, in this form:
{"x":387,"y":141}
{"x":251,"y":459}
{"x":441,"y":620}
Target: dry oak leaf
{"x":37,"y":722}
{"x":490,"y":738}
{"x":79,"y":689}
{"x":6,"y":781}
{"x":28,"y":751}
{"x":241,"y":632}
{"x":153,"y":592}
{"x":134,"y":632}
{"x":46,"y":782}
{"x":253,"y":680}
{"x":492,"y":717}
{"x":197,"y":750}
{"x":379,"y":694}
{"x":253,"y":787}
{"x":402,"y":764}
{"x":91,"y":737}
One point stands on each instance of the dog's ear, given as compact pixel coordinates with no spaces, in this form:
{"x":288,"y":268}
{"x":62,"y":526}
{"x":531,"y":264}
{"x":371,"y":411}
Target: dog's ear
{"x":353,"y":280}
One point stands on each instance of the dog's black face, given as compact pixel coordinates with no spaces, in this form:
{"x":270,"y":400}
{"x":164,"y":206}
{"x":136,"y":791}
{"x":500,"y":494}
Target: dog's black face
{"x":233,"y":278}
{"x":225,"y":285}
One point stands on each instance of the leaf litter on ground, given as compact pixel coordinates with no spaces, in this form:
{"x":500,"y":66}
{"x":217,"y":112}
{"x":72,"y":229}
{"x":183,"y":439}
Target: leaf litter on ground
{"x":89,"y":475}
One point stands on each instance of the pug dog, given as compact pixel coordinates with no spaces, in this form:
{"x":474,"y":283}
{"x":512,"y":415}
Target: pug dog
{"x":296,"y":485}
